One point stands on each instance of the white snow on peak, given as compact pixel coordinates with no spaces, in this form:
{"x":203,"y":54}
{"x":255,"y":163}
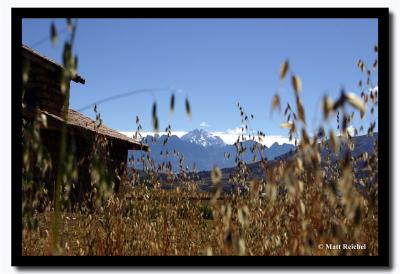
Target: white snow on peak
{"x":203,"y":138}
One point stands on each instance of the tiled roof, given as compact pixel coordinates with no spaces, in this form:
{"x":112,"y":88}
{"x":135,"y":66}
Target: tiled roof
{"x":79,"y":120}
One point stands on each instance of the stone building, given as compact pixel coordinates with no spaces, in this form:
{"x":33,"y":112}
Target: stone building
{"x":43,"y":94}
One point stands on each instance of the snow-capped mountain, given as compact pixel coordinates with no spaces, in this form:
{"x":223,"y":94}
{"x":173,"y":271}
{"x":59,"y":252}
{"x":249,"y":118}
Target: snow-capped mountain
{"x":203,"y":138}
{"x":202,"y":149}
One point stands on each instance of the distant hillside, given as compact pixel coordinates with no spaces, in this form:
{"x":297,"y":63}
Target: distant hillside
{"x":362,"y":144}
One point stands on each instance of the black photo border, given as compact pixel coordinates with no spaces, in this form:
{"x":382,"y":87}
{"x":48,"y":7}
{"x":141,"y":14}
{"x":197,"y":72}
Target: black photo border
{"x":383,"y":258}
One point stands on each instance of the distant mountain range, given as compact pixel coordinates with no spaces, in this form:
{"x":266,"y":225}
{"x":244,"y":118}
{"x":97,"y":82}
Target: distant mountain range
{"x":364,"y":143}
{"x":228,"y":167}
{"x":203,"y":150}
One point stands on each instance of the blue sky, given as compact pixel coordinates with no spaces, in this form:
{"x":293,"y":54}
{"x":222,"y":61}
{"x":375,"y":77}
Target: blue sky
{"x":215,"y":62}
